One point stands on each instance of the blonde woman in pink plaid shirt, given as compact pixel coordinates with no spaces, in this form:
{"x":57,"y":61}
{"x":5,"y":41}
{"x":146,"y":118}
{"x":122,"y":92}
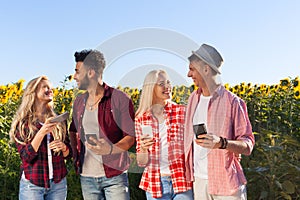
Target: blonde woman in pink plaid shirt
{"x":159,"y":126}
{"x":214,"y":158}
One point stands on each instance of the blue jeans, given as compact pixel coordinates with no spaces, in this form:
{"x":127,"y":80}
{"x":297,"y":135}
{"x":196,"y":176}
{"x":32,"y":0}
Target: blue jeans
{"x":168,"y":192}
{"x":57,"y":191}
{"x":105,"y":188}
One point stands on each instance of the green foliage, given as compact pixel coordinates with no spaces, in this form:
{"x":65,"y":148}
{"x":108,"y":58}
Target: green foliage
{"x":74,"y":187}
{"x":9,"y":170}
{"x":273,"y":168}
{"x":134,"y":177}
{"x":9,"y":157}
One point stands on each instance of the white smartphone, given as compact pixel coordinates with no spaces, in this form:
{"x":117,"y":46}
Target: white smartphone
{"x":60,"y":118}
{"x":147,"y":130}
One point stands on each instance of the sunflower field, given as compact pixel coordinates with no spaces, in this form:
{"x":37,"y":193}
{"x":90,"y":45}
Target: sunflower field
{"x":272,"y":170}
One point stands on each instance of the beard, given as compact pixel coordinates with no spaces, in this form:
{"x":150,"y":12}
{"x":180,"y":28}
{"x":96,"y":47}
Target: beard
{"x":84,"y":84}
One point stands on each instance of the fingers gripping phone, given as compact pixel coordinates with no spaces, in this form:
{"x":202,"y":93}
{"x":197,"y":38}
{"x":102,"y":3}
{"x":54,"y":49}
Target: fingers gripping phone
{"x":88,"y":137}
{"x":147,"y":130}
{"x":199,"y":129}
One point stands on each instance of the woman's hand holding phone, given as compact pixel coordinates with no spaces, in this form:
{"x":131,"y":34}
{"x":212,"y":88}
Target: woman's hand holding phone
{"x":147,"y":139}
{"x":60,"y":118}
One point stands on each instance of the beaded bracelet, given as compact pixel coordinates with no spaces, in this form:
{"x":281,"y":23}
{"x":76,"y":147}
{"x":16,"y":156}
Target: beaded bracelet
{"x":224,"y":143}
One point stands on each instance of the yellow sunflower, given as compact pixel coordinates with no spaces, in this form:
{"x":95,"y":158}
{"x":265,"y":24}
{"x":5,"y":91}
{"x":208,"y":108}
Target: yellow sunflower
{"x":297,"y":92}
{"x":285,"y":83}
{"x":227,"y":86}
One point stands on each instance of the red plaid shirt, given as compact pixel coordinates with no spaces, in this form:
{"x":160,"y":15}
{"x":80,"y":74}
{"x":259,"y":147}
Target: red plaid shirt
{"x":35,"y":164}
{"x":150,"y":181}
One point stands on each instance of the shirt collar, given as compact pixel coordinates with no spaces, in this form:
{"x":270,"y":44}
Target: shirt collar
{"x":218,"y":92}
{"x":107,"y":91}
{"x":167,"y":109}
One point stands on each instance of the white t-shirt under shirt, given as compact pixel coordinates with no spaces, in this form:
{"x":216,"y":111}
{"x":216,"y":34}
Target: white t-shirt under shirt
{"x":50,"y":164}
{"x":164,"y":160}
{"x":92,"y":165}
{"x":200,"y":153}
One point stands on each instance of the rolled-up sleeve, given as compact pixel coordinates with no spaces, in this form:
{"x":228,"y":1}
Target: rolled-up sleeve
{"x":26,"y":151}
{"x":243,"y":126}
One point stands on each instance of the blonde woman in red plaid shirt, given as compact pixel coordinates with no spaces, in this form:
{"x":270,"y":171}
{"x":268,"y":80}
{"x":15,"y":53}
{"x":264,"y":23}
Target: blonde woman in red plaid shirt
{"x":159,"y":125}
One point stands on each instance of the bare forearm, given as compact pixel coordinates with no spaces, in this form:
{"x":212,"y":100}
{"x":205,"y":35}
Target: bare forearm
{"x":123,"y":145}
{"x":237,"y":146}
{"x":66,"y":151}
{"x":37,"y":140}
{"x":214,"y":141}
{"x":142,"y":158}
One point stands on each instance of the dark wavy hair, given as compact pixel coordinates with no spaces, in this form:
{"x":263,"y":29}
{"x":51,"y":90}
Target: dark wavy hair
{"x":92,"y":59}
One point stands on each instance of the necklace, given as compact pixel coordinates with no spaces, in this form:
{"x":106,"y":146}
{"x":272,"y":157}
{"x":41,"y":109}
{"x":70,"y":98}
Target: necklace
{"x":92,"y":105}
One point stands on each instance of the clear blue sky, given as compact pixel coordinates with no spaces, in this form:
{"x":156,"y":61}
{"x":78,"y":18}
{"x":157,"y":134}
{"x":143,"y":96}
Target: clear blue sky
{"x":259,"y":40}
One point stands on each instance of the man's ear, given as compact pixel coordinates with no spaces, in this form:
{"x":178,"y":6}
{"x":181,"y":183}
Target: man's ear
{"x":207,"y":68}
{"x":91,"y":73}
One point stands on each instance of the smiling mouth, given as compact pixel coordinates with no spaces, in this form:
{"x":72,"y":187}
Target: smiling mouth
{"x":48,"y":93}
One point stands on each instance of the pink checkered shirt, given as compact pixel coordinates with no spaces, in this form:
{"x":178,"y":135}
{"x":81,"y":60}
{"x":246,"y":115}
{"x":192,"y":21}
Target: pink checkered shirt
{"x":227,"y":117}
{"x":150,"y":181}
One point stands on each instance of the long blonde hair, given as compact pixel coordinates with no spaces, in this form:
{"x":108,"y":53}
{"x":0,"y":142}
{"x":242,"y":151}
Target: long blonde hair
{"x":26,"y":115}
{"x":146,"y":99}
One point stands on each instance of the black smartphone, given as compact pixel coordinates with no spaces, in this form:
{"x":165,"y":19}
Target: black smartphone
{"x":199,"y":129}
{"x":88,"y":137}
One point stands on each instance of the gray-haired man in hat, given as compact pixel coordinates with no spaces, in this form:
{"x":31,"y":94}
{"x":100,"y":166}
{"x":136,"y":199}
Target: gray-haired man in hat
{"x":214,"y":155}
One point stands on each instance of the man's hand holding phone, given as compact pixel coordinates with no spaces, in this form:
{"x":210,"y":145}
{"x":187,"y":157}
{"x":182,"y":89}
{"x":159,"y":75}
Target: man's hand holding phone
{"x":97,"y":145}
{"x":200,"y":132}
{"x":91,"y":138}
{"x":199,"y":129}
{"x":205,"y":140}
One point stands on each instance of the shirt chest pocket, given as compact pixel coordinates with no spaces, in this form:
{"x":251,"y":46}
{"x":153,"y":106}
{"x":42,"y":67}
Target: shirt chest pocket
{"x":107,"y":117}
{"x":176,"y":132}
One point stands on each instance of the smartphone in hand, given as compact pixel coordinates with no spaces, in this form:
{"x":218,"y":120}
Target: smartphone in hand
{"x":147,"y":130}
{"x":60,"y":118}
{"x":199,"y":129}
{"x":88,"y":137}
